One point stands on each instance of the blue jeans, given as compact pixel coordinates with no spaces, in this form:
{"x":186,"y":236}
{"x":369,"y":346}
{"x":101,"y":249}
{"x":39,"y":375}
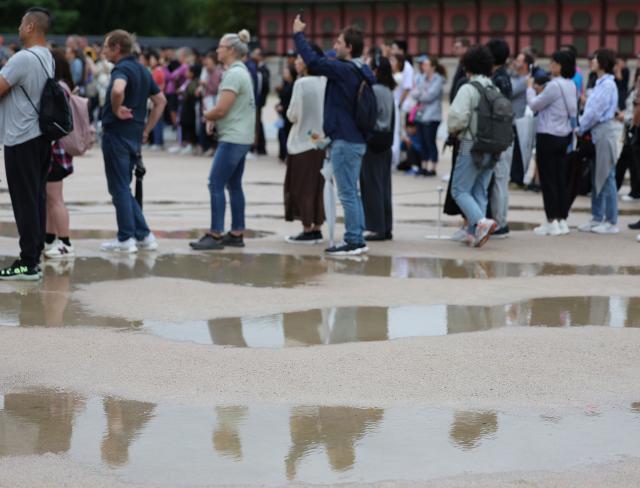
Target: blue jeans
{"x":120,"y":156}
{"x":226,"y":171}
{"x":469,"y":189}
{"x":428,"y":133}
{"x":605,"y":204}
{"x":158,"y":133}
{"x":346,"y":159}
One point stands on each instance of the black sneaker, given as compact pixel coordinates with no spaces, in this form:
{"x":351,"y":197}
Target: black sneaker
{"x":501,"y":233}
{"x":347,"y":249}
{"x":232,"y":241}
{"x":20,"y":272}
{"x":313,"y":237}
{"x":374,"y":236}
{"x":207,"y":243}
{"x":635,"y":225}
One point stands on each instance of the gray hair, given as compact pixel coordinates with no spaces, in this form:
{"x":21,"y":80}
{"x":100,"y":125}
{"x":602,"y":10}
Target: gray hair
{"x":238,"y":42}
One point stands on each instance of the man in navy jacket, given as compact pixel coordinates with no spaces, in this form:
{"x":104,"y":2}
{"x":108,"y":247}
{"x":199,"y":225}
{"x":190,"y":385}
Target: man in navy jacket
{"x":344,"y":75}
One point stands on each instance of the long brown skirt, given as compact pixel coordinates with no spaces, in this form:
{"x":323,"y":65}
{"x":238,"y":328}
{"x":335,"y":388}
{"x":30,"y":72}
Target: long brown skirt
{"x":303,"y":188}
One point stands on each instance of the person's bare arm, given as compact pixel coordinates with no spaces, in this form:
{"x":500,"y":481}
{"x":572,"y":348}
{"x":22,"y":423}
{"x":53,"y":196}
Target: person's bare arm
{"x":159,"y":102}
{"x":5,"y":87}
{"x":225,"y":101}
{"x":117,"y":98}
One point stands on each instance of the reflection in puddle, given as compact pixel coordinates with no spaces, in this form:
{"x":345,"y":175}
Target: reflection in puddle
{"x":50,"y":305}
{"x":361,"y":324}
{"x":185,"y":446}
{"x":276,"y":270}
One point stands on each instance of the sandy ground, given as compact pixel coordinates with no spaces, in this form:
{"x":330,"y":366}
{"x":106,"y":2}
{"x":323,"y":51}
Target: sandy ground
{"x":533,"y":368}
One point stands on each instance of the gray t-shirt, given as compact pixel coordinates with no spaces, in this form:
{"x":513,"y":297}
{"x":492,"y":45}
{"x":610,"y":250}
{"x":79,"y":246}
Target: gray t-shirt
{"x":239,"y":125}
{"x":18,"y":119}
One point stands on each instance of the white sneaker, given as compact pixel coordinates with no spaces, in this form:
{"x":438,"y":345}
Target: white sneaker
{"x":638,"y":238}
{"x":125,"y":247}
{"x":250,"y":156}
{"x":606,"y":228}
{"x":48,"y":247}
{"x":174,"y":149}
{"x":588,"y":227}
{"x":542,"y":229}
{"x":484,"y":229}
{"x":186,"y":150}
{"x":628,"y":198}
{"x":459,"y":235}
{"x":156,"y":147}
{"x":564,"y":227}
{"x":149,"y":243}
{"x":554,"y":228}
{"x":60,"y":251}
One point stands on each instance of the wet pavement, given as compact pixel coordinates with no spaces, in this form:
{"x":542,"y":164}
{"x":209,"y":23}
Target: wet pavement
{"x":186,"y":445}
{"x":52,"y":306}
{"x":285,"y":270}
{"x":361,"y":324}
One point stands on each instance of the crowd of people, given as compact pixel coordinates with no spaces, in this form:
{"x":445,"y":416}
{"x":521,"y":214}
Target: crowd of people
{"x":348,"y":116}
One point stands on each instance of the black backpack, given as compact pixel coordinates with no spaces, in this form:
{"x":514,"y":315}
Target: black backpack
{"x":366,"y":111}
{"x":54,"y":116}
{"x":495,"y":124}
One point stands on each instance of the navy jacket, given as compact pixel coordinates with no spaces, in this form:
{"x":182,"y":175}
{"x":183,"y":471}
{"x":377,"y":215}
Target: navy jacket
{"x":343,"y":82}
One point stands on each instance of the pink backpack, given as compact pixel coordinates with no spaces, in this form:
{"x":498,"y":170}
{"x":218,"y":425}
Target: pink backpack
{"x":83,"y":135}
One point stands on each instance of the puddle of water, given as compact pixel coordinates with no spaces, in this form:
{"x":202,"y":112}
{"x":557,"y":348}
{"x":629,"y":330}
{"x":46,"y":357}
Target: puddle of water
{"x":51,"y":306}
{"x":9,"y":229}
{"x":257,"y":444}
{"x":362,"y":324}
{"x":279,"y":270}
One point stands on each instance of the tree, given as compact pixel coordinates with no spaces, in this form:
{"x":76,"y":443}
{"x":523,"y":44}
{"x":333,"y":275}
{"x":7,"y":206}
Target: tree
{"x":157,"y":18}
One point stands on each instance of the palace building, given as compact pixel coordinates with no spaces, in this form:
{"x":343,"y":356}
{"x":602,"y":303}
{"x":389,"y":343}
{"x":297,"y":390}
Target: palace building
{"x":431,"y":26}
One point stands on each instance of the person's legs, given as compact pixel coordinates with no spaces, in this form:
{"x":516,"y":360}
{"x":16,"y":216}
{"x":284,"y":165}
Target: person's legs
{"x":432,"y":132}
{"x":225,"y":162}
{"x":57,"y":213}
{"x":634,"y":171}
{"x":500,"y":189}
{"x":118,"y":164}
{"x":517,"y":168}
{"x":561,"y":178}
{"x":547,"y":173}
{"x":464,"y":179}
{"x":158,"y":133}
{"x":597,"y":199}
{"x":346,"y":159}
{"x":480,"y":190}
{"x":385,"y":172}
{"x":26,"y":168}
{"x":623,"y":163}
{"x":234,"y":186}
{"x":423,"y":133}
{"x":372,"y":191}
{"x":610,"y":197}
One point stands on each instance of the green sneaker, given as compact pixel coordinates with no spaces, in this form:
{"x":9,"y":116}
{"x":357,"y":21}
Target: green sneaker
{"x":20,"y":272}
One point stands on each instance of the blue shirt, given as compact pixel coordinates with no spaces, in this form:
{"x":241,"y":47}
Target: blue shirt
{"x":601,"y":105}
{"x":343,"y":82}
{"x":140,"y":86}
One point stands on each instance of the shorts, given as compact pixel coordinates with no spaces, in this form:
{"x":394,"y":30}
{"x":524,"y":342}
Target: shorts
{"x":58,"y":173}
{"x":172,"y":102}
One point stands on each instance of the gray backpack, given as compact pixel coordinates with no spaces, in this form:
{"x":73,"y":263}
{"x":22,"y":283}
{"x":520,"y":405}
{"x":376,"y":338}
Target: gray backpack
{"x":495,"y":125}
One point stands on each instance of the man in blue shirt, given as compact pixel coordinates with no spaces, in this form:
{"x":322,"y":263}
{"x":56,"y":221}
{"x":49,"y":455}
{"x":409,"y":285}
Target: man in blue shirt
{"x":348,"y":143}
{"x":123,"y":122}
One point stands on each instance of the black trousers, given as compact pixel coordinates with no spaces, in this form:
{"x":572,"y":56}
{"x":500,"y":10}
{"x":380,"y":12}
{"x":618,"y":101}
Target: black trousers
{"x":517,"y":165}
{"x":450,"y":205}
{"x":261,"y":143}
{"x":375,"y":187}
{"x":629,"y":160}
{"x":551,"y":158}
{"x":27,"y":167}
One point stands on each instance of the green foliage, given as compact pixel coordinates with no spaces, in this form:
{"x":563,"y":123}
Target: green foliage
{"x":144,"y":17}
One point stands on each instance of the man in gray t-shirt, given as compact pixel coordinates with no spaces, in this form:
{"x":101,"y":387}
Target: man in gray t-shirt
{"x":27,"y":153}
